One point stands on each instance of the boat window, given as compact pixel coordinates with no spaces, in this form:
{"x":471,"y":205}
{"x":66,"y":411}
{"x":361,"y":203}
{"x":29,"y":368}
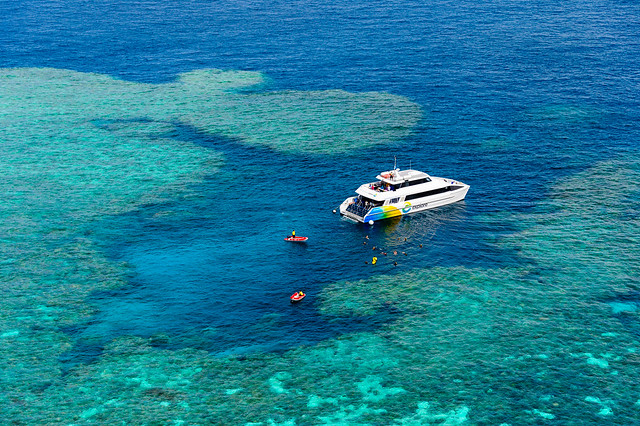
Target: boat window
{"x":394,"y":200}
{"x":418,"y":181}
{"x":427,"y":193}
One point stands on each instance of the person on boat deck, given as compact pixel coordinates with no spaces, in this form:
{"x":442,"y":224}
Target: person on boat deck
{"x":300,"y":293}
{"x":293,"y":234}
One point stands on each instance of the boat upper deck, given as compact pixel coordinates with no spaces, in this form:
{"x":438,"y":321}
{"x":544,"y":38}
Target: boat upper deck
{"x":395,"y":177}
{"x":395,"y":180}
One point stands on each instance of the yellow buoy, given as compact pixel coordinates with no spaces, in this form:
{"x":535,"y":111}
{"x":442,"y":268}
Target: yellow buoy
{"x":374,"y":260}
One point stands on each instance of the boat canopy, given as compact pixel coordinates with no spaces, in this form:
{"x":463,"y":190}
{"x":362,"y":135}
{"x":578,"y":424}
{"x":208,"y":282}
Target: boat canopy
{"x":398,"y":176}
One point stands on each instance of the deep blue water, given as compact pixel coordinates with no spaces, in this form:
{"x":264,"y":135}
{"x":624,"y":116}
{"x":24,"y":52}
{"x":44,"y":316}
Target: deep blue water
{"x":480,"y":71}
{"x":201,"y":268}
{"x":516,"y":96}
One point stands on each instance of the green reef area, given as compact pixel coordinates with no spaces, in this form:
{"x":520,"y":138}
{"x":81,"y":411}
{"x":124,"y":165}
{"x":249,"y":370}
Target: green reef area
{"x":511,"y":345}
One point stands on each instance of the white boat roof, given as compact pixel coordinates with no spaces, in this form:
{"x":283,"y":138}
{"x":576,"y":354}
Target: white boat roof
{"x":399,"y":176}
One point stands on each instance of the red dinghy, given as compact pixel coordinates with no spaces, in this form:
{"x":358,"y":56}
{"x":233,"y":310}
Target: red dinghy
{"x":297,"y":296}
{"x":296,"y":239}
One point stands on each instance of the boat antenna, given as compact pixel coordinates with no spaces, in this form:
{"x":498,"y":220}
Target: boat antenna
{"x":394,"y":162}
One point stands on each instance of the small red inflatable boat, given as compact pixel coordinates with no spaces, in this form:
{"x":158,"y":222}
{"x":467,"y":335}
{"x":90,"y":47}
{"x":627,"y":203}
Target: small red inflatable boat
{"x":297,"y":296}
{"x":296,"y":239}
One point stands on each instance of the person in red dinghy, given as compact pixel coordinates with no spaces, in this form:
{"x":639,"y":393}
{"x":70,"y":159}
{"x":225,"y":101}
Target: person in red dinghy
{"x":293,"y":237}
{"x":297,"y":296}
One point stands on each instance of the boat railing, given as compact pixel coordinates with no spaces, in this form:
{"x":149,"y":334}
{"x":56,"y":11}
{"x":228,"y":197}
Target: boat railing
{"x":383,"y":187}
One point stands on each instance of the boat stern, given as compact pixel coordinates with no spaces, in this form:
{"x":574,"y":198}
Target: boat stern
{"x":351,"y":210}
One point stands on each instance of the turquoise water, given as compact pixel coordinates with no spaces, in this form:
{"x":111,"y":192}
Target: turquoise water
{"x":154,"y":156}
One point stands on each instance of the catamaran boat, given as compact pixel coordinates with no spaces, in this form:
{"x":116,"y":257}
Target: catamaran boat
{"x":399,"y":192}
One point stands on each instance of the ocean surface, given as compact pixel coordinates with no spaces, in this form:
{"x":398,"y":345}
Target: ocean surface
{"x":153,"y":156}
